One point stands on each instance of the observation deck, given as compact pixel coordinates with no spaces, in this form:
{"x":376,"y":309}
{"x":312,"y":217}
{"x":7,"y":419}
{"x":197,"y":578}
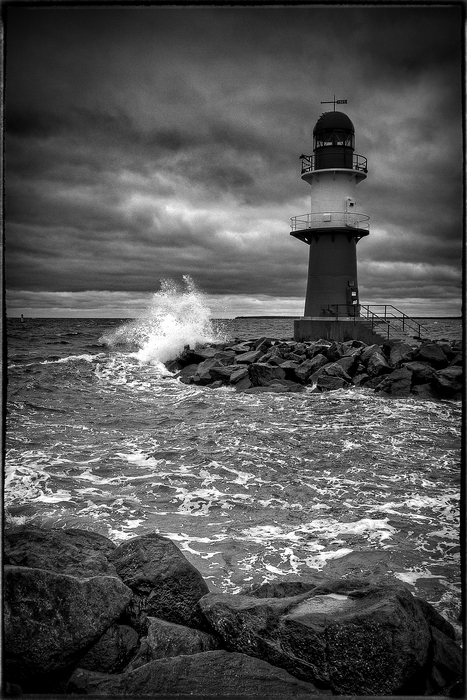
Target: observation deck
{"x":333,"y":159}
{"x":353,"y":224}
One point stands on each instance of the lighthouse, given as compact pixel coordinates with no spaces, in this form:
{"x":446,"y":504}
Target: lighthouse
{"x":332,"y":230}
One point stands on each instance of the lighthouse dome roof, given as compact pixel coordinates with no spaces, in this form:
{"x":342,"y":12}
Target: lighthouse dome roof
{"x":329,"y":121}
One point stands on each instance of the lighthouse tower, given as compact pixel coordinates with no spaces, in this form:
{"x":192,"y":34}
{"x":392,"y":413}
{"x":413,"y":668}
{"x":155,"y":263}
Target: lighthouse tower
{"x":332,"y":230}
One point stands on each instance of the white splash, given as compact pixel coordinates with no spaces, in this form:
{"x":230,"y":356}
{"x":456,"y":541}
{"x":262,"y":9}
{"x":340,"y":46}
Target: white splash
{"x":177,"y":316}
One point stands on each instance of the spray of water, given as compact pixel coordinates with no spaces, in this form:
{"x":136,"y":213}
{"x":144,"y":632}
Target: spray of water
{"x":178,"y":315}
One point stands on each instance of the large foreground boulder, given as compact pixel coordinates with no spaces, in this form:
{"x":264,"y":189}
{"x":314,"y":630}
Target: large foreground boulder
{"x":76,"y":552}
{"x":212,"y":673}
{"x":50,"y":621}
{"x":165,"y":639}
{"x":351,"y":637}
{"x":164,"y":583}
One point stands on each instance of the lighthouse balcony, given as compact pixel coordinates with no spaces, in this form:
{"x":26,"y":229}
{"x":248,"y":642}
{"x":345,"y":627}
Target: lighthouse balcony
{"x":320,"y":221}
{"x":333,"y":160}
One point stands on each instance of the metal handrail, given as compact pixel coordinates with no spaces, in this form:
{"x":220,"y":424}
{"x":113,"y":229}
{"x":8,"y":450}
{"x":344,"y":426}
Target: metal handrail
{"x":358,"y":163}
{"x":377,"y":319}
{"x":316,"y":220}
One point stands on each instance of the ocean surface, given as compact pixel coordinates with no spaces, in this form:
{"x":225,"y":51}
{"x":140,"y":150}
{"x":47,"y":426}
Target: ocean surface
{"x":250,"y":487}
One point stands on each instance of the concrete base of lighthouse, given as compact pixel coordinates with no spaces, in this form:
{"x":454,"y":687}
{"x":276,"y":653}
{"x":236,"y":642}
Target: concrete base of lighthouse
{"x":318,"y":328}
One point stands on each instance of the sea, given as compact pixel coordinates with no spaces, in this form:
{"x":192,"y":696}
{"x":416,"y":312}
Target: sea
{"x":99,"y":435}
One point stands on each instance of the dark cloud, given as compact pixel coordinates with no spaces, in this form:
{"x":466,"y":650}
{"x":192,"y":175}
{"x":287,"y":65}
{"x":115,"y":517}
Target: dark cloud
{"x":152,"y":142}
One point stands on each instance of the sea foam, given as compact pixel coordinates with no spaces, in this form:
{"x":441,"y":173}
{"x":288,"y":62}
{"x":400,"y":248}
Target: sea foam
{"x":177,"y":316}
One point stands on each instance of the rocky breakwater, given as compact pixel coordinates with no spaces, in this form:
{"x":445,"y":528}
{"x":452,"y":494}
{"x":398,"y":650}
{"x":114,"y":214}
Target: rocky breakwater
{"x":431,"y":370}
{"x":84,"y":616}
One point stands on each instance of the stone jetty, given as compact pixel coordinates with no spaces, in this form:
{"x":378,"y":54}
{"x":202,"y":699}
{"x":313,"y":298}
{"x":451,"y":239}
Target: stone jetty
{"x":430,"y":370}
{"x":85,"y":616}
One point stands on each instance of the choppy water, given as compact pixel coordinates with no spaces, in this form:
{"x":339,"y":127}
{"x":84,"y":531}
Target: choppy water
{"x":250,"y":487}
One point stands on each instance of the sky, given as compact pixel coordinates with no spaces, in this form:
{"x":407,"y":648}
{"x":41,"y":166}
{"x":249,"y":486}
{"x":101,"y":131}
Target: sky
{"x":148,"y":143}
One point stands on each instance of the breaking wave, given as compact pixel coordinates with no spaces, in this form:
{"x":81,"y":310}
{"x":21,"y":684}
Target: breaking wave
{"x":177,"y":316}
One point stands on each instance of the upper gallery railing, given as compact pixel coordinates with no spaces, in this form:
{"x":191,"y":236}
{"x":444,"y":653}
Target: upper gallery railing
{"x":309,"y":163}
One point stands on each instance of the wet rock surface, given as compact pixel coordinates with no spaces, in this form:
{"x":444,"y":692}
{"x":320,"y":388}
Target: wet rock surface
{"x":72,"y":634}
{"x":394,"y":368}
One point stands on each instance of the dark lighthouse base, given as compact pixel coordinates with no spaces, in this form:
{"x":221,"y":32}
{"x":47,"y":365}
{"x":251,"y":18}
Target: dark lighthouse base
{"x":337,"y":330}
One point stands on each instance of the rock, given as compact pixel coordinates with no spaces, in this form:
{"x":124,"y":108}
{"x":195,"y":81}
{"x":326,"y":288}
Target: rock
{"x":447,"y":664}
{"x":399,"y":354}
{"x":112,"y":652}
{"x":289,"y":367}
{"x":237,"y":374}
{"x":51,"y":619}
{"x":330,"y":383}
{"x":424,"y":391}
{"x":192,"y":357}
{"x":334,"y":352}
{"x":212,"y":673}
{"x":349,"y":363}
{"x":448,"y":382}
{"x":262,"y":344}
{"x":240,"y":348}
{"x":165,"y":639}
{"x":422,"y":372}
{"x":164,"y":582}
{"x":280,"y":589}
{"x":247,"y":358}
{"x":369,"y":640}
{"x":77,"y":552}
{"x":187,"y":373}
{"x":398,"y":383}
{"x":368,"y":352}
{"x":261,"y":374}
{"x":432,"y":353}
{"x":377,"y":365}
{"x":309,"y":367}
{"x":457,"y":361}
{"x":223,"y":373}
{"x":319,"y":347}
{"x":243,"y":384}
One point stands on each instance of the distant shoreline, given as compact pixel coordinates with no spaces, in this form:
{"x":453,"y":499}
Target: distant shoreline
{"x":426,"y":318}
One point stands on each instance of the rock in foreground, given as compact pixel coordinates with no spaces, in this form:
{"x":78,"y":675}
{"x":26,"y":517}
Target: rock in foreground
{"x":99,"y":635}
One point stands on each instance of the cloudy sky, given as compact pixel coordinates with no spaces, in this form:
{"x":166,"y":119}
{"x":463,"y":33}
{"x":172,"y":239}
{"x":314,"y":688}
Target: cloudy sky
{"x":148,"y":143}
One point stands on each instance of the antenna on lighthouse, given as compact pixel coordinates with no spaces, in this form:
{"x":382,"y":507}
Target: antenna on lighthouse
{"x":335,"y":102}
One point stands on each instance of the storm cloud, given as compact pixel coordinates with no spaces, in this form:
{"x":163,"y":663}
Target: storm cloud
{"x":146,"y":143}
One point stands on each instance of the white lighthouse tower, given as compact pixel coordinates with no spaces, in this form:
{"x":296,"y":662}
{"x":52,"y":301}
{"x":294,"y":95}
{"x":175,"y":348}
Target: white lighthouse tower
{"x":332,"y":230}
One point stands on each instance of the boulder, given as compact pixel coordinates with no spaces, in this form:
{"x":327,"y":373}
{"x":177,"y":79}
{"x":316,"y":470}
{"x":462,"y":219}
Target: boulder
{"x":424,"y":391}
{"x":309,"y":367}
{"x":377,"y":365}
{"x":164,"y":582}
{"x":50,"y":621}
{"x":398,"y":383}
{"x":457,"y":361}
{"x":243,"y":384}
{"x":165,"y":639}
{"x":262,"y":374}
{"x":239,"y":373}
{"x":349,"y":363}
{"x":422,"y":372}
{"x":448,"y":381}
{"x":223,"y":373}
{"x":76,"y":552}
{"x":368,"y":352}
{"x":334,"y":352}
{"x":187,"y":373}
{"x":330,"y":383}
{"x":290,"y":367}
{"x":319,"y":347}
{"x":112,"y":652}
{"x":432,"y":353}
{"x":281,"y":589}
{"x":399,"y":354}
{"x":246,"y":358}
{"x":354,"y":638}
{"x":446,"y":665}
{"x":212,"y":673}
{"x":240,"y":348}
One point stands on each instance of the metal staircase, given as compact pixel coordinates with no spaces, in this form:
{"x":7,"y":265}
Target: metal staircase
{"x":383,"y":319}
